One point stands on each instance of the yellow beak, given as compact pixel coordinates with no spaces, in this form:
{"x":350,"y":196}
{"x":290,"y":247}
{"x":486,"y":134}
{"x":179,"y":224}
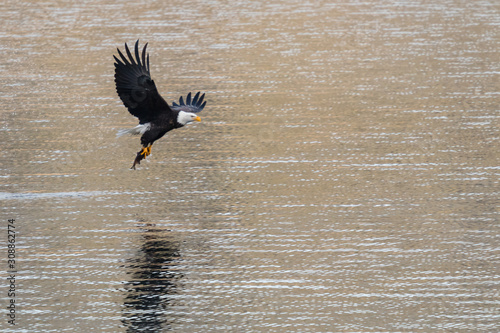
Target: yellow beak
{"x":197,"y":118}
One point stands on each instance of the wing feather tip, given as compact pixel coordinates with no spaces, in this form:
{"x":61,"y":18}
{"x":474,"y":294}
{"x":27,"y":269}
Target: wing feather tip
{"x":200,"y":100}
{"x":136,"y":50}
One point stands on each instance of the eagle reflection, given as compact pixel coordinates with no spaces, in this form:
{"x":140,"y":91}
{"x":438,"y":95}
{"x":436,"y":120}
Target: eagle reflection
{"x":154,"y":278}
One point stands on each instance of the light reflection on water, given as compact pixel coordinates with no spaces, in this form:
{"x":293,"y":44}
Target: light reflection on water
{"x":344,"y":176}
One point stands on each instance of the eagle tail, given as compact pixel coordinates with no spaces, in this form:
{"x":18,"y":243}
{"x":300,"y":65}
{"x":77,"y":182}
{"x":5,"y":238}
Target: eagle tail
{"x":139,"y":129}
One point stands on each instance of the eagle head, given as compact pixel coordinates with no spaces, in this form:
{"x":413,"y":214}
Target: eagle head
{"x":187,"y":117}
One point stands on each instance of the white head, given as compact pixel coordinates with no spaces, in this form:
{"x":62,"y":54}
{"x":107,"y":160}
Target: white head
{"x":186,"y":117}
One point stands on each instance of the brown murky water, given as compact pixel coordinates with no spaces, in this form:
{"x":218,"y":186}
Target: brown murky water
{"x":345,"y":176}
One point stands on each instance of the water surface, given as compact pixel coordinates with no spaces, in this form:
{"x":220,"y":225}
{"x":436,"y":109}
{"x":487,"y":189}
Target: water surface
{"x":344,"y":176}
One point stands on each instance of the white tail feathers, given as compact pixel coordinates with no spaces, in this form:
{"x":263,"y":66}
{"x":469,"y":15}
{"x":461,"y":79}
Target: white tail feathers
{"x":139,"y":129}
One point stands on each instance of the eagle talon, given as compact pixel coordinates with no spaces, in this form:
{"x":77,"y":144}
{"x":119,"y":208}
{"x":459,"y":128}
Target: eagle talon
{"x":146,"y":151}
{"x":141,"y":155}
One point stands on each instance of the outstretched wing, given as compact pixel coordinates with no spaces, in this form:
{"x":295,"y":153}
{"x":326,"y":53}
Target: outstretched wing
{"x":136,"y":88}
{"x":194,"y":105}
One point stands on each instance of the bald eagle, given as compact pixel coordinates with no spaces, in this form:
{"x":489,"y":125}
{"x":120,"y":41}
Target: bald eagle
{"x":139,"y":94}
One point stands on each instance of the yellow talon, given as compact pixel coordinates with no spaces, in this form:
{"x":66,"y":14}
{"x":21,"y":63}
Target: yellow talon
{"x":142,"y":154}
{"x":146,"y":151}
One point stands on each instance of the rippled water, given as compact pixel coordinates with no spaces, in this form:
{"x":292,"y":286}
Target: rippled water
{"x":344,"y":177}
